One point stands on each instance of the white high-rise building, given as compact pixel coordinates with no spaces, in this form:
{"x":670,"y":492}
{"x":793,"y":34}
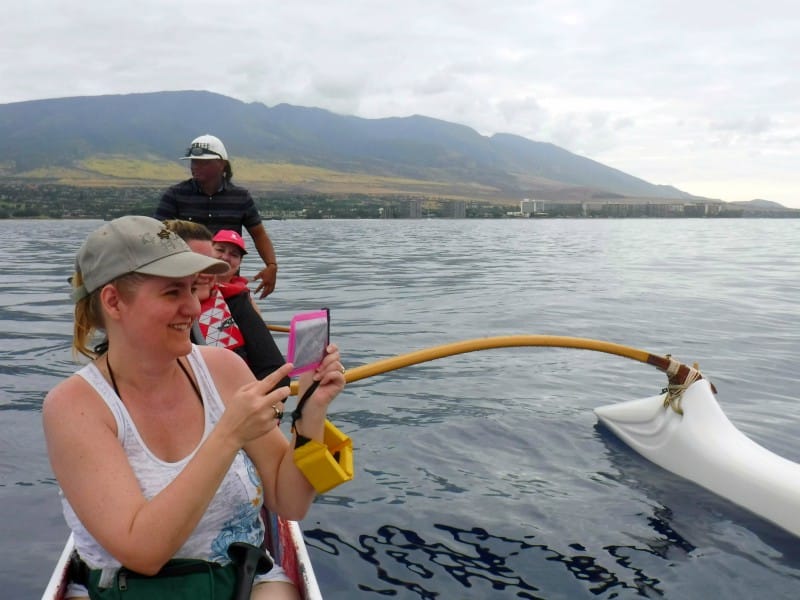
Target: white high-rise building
{"x":529,"y":207}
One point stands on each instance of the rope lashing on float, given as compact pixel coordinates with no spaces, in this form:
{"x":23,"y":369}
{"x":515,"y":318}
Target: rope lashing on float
{"x":674,"y":391}
{"x":677,"y":373}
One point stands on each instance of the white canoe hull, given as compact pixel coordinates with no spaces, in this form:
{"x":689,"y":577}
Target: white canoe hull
{"x":703,"y":446}
{"x":285,"y":544}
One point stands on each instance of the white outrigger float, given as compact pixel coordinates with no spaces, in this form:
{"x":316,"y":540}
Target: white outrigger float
{"x":702,"y":445}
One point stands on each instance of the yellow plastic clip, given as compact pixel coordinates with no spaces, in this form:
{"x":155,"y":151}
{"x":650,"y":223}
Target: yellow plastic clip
{"x":328,"y":464}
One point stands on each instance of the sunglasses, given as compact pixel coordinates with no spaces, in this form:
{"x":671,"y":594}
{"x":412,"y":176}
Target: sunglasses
{"x":200,"y":151}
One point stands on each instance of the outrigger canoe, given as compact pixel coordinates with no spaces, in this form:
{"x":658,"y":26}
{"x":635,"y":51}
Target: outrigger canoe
{"x":284,"y":540}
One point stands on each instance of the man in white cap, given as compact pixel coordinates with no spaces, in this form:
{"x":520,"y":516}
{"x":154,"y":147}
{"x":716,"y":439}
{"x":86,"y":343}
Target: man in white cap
{"x":209,"y":197}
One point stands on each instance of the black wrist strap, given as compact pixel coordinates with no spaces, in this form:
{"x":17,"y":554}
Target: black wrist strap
{"x":297,"y":414}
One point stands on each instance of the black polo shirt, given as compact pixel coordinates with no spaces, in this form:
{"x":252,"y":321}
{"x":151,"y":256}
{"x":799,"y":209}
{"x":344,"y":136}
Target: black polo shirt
{"x":232,"y":207}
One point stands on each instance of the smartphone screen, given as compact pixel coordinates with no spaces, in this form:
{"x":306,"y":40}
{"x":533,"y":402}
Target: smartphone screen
{"x":309,"y":336}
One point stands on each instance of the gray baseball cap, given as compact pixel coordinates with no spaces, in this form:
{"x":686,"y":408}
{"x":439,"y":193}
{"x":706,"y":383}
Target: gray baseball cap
{"x":137,"y":244}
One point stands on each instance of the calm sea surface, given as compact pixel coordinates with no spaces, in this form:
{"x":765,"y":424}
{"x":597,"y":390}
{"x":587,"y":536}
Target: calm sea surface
{"x":482,"y":475}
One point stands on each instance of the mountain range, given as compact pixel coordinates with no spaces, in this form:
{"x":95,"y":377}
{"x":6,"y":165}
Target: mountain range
{"x":135,"y":139}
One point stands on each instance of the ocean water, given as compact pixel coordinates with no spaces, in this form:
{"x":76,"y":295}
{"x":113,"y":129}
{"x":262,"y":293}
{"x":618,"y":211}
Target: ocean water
{"x":481,"y":475}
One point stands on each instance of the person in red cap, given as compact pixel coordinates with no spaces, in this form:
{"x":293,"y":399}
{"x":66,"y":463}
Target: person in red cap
{"x":209,"y":197}
{"x":229,"y":246}
{"x":228,"y":315}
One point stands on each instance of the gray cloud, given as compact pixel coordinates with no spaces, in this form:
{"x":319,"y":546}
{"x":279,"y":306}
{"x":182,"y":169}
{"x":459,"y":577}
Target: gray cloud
{"x":672,"y":91}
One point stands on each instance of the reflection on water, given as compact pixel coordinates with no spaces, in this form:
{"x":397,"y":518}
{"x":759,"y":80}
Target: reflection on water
{"x":405,"y":561}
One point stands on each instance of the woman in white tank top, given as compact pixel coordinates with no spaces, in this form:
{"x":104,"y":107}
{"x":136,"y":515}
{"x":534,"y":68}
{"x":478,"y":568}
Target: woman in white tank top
{"x":162,"y":449}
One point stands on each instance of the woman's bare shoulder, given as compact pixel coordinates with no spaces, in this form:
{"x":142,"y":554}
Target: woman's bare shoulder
{"x":68,"y":391}
{"x":215,"y":355}
{"x":225,"y":363}
{"x":228,"y":370}
{"x":73,"y":401}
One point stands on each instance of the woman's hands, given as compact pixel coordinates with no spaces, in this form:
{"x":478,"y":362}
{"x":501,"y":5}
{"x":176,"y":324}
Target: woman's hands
{"x":254,"y":409}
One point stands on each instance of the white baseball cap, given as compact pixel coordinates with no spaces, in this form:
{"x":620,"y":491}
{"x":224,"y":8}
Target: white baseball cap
{"x":206,"y":147}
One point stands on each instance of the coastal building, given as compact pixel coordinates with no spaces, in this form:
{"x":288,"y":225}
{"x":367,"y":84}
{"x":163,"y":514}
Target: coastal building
{"x":415,"y":208}
{"x":529,"y":207}
{"x":457,"y":209}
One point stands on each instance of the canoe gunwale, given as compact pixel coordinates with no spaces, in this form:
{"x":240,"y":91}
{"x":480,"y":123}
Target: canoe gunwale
{"x":283,"y":538}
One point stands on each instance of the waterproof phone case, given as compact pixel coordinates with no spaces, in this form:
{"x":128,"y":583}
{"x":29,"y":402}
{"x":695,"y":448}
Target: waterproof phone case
{"x":309,"y":336}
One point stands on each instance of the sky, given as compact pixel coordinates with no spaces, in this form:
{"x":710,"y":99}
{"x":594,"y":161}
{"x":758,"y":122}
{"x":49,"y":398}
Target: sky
{"x":703,"y":95}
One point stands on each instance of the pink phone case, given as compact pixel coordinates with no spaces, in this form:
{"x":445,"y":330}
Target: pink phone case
{"x":308,"y":339}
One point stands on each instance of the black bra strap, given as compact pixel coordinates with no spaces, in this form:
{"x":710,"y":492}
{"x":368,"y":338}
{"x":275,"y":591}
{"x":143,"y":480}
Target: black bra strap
{"x":191,"y":380}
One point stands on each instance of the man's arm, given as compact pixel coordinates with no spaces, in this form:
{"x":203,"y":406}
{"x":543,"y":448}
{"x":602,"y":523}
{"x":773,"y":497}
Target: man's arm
{"x":266,"y":251}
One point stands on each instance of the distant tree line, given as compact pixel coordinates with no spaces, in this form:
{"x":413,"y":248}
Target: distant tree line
{"x":54,"y":201}
{"x":25,"y":200}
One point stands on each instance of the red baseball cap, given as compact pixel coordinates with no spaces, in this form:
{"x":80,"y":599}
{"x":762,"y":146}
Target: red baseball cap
{"x":231,"y":237}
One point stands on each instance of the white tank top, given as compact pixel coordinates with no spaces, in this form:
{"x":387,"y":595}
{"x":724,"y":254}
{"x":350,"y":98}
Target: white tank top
{"x":233,"y":515}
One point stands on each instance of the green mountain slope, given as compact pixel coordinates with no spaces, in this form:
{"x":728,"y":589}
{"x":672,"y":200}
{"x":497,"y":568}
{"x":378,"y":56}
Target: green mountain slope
{"x":138,"y":137}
